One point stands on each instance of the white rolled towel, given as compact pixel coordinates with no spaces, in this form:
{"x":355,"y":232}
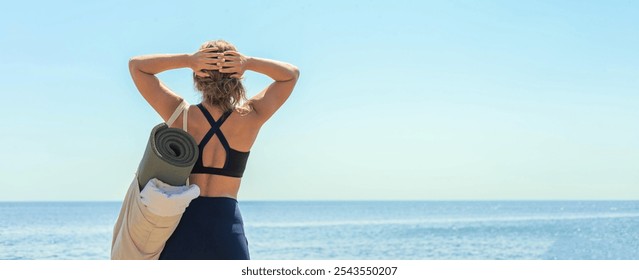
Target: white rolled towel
{"x":165,"y":200}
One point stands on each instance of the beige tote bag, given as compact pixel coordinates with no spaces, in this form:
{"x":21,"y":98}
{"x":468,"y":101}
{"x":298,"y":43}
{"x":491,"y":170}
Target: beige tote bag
{"x":141,"y":232}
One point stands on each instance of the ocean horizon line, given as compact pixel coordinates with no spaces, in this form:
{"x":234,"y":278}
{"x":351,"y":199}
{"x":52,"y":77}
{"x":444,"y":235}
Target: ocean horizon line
{"x":352,"y":200}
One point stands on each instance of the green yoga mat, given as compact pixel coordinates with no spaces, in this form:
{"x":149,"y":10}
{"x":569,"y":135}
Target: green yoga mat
{"x":169,"y":156}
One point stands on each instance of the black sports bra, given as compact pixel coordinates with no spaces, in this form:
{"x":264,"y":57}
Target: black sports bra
{"x":235,"y":162}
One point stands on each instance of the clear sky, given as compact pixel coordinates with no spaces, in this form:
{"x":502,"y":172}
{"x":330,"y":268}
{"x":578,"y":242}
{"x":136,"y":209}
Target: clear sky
{"x":418,"y":100}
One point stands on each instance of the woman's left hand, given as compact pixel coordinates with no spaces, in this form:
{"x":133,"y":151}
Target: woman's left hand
{"x":205,"y":59}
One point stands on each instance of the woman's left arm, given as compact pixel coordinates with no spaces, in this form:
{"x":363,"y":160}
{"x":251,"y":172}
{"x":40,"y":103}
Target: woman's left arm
{"x":157,"y":94}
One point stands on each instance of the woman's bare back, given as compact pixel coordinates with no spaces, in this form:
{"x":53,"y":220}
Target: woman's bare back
{"x":240,"y":132}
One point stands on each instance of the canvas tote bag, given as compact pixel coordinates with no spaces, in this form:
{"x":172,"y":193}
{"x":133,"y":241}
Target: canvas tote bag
{"x":149,"y":217}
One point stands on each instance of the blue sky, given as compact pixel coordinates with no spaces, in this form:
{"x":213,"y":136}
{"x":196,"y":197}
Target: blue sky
{"x":409,"y":100}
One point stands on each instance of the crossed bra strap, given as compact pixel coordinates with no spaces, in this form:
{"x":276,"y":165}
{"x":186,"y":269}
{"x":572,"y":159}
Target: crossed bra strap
{"x":215,"y":128}
{"x":235,"y":162}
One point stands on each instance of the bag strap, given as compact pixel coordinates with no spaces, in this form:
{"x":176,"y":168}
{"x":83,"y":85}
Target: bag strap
{"x":185,"y":116}
{"x":183,"y":107}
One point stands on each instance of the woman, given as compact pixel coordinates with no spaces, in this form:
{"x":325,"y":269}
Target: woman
{"x":225,"y":125}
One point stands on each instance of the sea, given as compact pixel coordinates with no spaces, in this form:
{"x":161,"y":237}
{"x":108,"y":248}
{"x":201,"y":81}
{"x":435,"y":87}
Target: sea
{"x":357,"y":230}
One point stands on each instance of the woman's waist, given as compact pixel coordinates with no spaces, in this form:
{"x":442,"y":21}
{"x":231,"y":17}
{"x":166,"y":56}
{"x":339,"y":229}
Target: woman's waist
{"x":216,"y":186}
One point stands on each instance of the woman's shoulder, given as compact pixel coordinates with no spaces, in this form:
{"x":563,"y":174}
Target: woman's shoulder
{"x":246,"y":114}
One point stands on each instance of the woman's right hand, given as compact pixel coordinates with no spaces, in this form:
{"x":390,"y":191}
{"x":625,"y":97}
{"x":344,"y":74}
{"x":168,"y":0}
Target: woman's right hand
{"x":205,"y":59}
{"x":234,"y":62}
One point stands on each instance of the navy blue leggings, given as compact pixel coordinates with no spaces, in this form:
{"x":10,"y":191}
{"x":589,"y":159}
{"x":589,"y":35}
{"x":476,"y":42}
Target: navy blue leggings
{"x":211,"y":228}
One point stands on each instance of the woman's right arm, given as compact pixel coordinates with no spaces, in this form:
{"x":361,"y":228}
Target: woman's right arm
{"x":272,"y":97}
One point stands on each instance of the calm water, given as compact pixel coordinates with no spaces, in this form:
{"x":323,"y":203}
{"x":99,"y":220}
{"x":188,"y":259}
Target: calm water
{"x":357,"y":230}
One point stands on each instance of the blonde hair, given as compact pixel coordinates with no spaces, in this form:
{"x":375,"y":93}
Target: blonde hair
{"x":219,"y":89}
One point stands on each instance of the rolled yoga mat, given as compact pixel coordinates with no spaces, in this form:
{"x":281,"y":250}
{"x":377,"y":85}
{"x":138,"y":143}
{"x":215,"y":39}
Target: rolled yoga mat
{"x":169,"y":156}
